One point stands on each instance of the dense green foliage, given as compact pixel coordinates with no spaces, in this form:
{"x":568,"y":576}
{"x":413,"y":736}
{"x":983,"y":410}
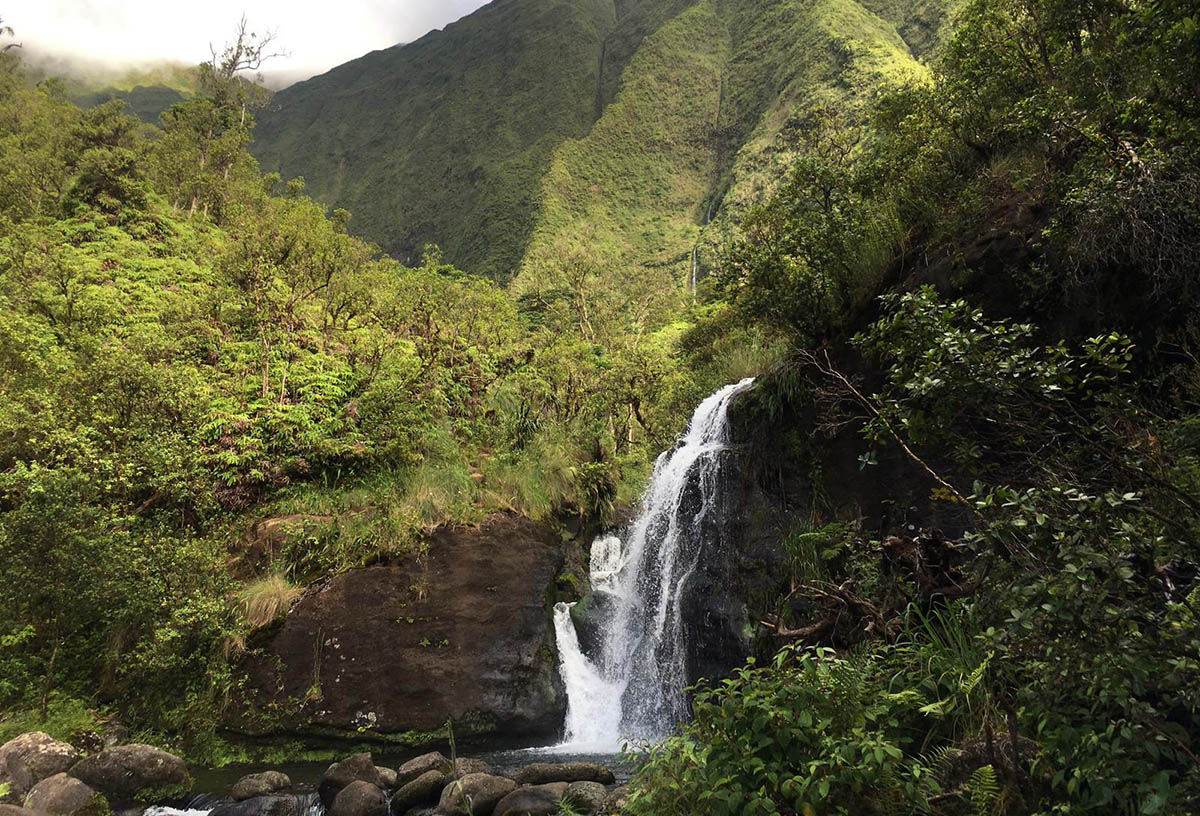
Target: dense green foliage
{"x":191,"y":347}
{"x":1047,"y":660}
{"x":982,"y":269}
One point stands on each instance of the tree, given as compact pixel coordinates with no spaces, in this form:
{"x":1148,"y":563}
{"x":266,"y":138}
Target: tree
{"x":206,"y":136}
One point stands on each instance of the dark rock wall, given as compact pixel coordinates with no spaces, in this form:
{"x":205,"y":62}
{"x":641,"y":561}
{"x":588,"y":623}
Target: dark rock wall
{"x":462,"y":631}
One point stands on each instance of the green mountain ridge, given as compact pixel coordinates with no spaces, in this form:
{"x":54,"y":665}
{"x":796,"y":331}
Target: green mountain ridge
{"x":501,"y":136}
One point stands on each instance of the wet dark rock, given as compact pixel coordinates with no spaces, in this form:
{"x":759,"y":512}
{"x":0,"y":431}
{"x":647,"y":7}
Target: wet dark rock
{"x":134,"y":772}
{"x":354,"y":768}
{"x":474,"y":794}
{"x":469,"y":633}
{"x":537,"y":800}
{"x":63,"y":794}
{"x":433,"y":761}
{"x":426,"y":789}
{"x":542,"y":772}
{"x":259,"y":784}
{"x":360,"y":799}
{"x":587,"y":797}
{"x":260,"y":806}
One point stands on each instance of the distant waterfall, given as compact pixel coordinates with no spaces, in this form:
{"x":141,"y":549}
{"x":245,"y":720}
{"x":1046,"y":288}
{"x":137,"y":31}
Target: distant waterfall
{"x":634,"y":687}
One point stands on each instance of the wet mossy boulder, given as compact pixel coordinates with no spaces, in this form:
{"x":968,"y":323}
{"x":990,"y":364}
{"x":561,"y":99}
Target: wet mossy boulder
{"x":134,"y":773}
{"x":360,"y":799}
{"x":30,"y":758}
{"x":586,"y":797}
{"x":539,"y":773}
{"x":426,"y":789}
{"x":66,"y":796}
{"x":532,"y":800}
{"x":474,"y":794}
{"x":417,"y":766}
{"x":354,"y":768}
{"x":259,"y":784}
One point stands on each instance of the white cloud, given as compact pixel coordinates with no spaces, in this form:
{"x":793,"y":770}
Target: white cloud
{"x":317,"y":36}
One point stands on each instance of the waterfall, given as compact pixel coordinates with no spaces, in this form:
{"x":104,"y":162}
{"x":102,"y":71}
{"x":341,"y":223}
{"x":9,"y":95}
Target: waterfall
{"x":633,"y":687}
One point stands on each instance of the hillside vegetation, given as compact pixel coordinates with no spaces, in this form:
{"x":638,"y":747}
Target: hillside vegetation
{"x":191,"y":347}
{"x":966,"y":282}
{"x":495,"y":137}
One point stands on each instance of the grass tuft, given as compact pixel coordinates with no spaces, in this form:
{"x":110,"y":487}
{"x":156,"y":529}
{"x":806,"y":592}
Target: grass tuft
{"x":266,"y":599}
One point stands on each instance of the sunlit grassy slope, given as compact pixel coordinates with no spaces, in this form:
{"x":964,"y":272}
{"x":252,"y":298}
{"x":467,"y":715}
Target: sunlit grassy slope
{"x":533,"y":120}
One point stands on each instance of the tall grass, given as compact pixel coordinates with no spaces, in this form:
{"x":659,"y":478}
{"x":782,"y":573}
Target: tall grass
{"x":266,"y":599}
{"x":535,"y":482}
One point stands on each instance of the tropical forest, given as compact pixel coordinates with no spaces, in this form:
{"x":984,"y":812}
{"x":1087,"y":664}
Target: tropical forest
{"x":615,"y":407}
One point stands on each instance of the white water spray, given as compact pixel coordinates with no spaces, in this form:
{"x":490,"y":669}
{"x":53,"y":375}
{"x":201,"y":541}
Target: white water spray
{"x":633,"y":688}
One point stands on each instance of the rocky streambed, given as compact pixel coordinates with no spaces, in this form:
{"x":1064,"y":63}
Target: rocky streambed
{"x":44,"y":777}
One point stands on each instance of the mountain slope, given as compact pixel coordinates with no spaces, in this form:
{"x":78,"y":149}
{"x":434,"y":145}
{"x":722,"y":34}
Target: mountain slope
{"x":507,"y":133}
{"x":443,"y":140}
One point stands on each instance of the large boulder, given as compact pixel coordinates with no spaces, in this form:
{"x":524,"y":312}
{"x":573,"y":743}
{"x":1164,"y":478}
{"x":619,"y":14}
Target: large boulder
{"x":17,"y":779}
{"x":467,"y":765}
{"x":614,"y":802}
{"x":587,"y":797}
{"x":260,"y":806}
{"x":540,"y":773}
{"x":474,"y":795}
{"x":536,"y":800}
{"x":461,"y":632}
{"x":134,"y":773}
{"x":17,"y":810}
{"x":32,"y":757}
{"x":354,"y":768}
{"x":359,"y":799}
{"x":259,"y":784}
{"x":63,"y":794}
{"x":426,"y":789}
{"x":387,"y":777}
{"x":433,"y":761}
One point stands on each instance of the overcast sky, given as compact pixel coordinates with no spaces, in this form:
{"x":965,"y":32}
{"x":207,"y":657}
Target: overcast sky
{"x":317,"y":35}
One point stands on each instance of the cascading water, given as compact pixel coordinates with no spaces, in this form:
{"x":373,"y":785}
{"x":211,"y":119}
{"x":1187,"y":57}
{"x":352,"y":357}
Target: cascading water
{"x":632,"y":688}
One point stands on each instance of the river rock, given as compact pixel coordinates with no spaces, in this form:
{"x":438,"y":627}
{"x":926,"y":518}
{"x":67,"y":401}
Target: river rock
{"x":426,"y":789}
{"x":468,"y":638}
{"x":537,"y":800}
{"x":63,"y":794}
{"x":259,"y":784}
{"x":259,"y":806}
{"x":542,"y":772}
{"x":466,"y":765}
{"x":614,"y":802}
{"x":16,"y":810}
{"x":474,"y":794}
{"x":359,"y":799}
{"x":387,"y":777}
{"x":19,"y":779}
{"x":587,"y":797}
{"x":433,"y":761}
{"x":354,"y":768}
{"x":134,"y":772}
{"x":32,"y":757}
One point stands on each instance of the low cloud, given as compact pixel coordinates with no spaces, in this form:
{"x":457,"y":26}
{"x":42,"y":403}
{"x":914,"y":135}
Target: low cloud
{"x":316,"y":36}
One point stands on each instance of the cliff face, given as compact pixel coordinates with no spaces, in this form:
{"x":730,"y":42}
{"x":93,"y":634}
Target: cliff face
{"x":503,"y":135}
{"x":462,"y":632}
